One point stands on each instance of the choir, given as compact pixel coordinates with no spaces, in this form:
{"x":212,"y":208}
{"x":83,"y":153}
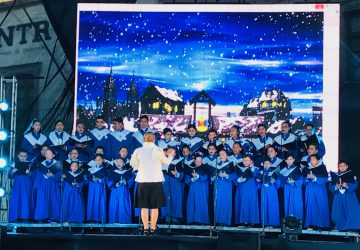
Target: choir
{"x":88,"y":177}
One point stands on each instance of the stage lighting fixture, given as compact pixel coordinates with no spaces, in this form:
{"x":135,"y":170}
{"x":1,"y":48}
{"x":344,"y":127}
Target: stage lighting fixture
{"x":2,"y":192}
{"x":4,"y":106}
{"x":291,"y":225}
{"x":3,"y":135}
{"x":3,"y":163}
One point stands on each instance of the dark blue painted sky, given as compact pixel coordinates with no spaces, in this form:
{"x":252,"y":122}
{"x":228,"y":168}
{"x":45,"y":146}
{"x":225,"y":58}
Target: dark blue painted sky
{"x":233,"y":56}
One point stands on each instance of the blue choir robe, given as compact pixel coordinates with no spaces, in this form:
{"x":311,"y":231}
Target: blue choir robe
{"x":195,"y":143}
{"x":246,"y":196}
{"x":235,"y":159}
{"x":276,"y":162}
{"x":174,"y":189}
{"x":288,"y":141}
{"x":100,"y":137}
{"x":67,"y":163}
{"x":345,"y":213}
{"x":316,"y":199}
{"x":313,"y":139}
{"x":293,"y":198}
{"x":86,"y":144}
{"x":164,"y":144}
{"x":246,"y":146}
{"x":48,"y":194}
{"x":120,"y":182}
{"x":223,"y":186}
{"x":32,"y":143}
{"x":138,"y":138}
{"x":73,"y":205}
{"x":197,"y":201}
{"x":58,"y":141}
{"x":96,"y":203}
{"x":259,"y":144}
{"x":211,"y":160}
{"x":119,"y":139}
{"x":36,"y":175}
{"x":269,"y":184}
{"x":21,"y":199}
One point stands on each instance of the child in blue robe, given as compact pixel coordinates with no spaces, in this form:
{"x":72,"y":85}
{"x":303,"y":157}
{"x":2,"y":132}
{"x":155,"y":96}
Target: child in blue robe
{"x":261,"y":143}
{"x":235,"y":156}
{"x":168,"y":141}
{"x":57,"y":140}
{"x":138,"y":136}
{"x":82,"y":142}
{"x":21,"y":199}
{"x":345,"y":208}
{"x":73,"y":206}
{"x":286,"y":142}
{"x":197,"y":202}
{"x":235,"y":137}
{"x":269,"y":184}
{"x":246,"y":197}
{"x":97,"y":177}
{"x":100,"y":137}
{"x":48,"y":194}
{"x":173,"y":188}
{"x":211,"y":138}
{"x":223,"y":177}
{"x":33,"y":140}
{"x":120,"y":180}
{"x":119,"y":138}
{"x":292,"y":181}
{"x":194,"y":142}
{"x":316,"y":199}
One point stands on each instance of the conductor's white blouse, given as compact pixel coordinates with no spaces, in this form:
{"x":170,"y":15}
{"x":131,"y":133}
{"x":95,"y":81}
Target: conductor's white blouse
{"x":148,"y":160}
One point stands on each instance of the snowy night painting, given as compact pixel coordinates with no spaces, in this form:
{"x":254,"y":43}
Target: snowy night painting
{"x":213,"y":69}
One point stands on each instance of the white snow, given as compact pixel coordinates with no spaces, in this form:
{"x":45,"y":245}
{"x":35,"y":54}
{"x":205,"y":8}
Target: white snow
{"x":168,"y":93}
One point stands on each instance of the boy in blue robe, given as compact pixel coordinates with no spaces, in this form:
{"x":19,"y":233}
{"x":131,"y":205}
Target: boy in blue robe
{"x":100,"y":137}
{"x":261,"y":143}
{"x":197,"y":203}
{"x":82,"y":142}
{"x":33,"y":140}
{"x":345,"y":208}
{"x":73,"y":206}
{"x":269,"y":184}
{"x":211,"y":138}
{"x":292,"y":181}
{"x":138,"y":136}
{"x":97,"y":177}
{"x":316,"y":199}
{"x":235,"y":137}
{"x":310,"y":137}
{"x":119,"y":138}
{"x":21,"y":199}
{"x":48,"y":193}
{"x":223,"y":176}
{"x":236,"y":157}
{"x":120,"y":180}
{"x":286,"y":142}
{"x":211,"y":158}
{"x":194,"y":142}
{"x":173,"y":188}
{"x":57,"y":140}
{"x":246,"y":197}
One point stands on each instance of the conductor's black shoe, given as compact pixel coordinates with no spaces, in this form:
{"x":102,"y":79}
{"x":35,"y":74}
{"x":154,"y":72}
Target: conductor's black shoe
{"x":146,"y":232}
{"x":153,"y":232}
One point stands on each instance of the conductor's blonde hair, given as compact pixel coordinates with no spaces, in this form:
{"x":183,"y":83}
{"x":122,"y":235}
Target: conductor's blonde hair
{"x":149,"y":137}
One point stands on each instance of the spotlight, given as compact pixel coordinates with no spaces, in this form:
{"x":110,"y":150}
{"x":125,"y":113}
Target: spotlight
{"x":3,"y":163}
{"x":4,"y":106}
{"x":3,"y":135}
{"x":2,"y":192}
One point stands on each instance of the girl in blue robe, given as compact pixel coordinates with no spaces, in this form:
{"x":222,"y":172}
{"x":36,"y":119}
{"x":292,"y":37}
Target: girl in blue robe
{"x":96,"y":203}
{"x":120,"y":180}
{"x":168,"y":141}
{"x":21,"y":199}
{"x":292,"y":181}
{"x":33,"y":140}
{"x":223,"y":177}
{"x":57,"y":140}
{"x":194,"y":142}
{"x":173,"y":188}
{"x":246,"y":197}
{"x":197,"y":202}
{"x":73,"y":206}
{"x":82,"y":142}
{"x":345,"y":208}
{"x":316,"y":199}
{"x":48,"y":193}
{"x":269,"y":184}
